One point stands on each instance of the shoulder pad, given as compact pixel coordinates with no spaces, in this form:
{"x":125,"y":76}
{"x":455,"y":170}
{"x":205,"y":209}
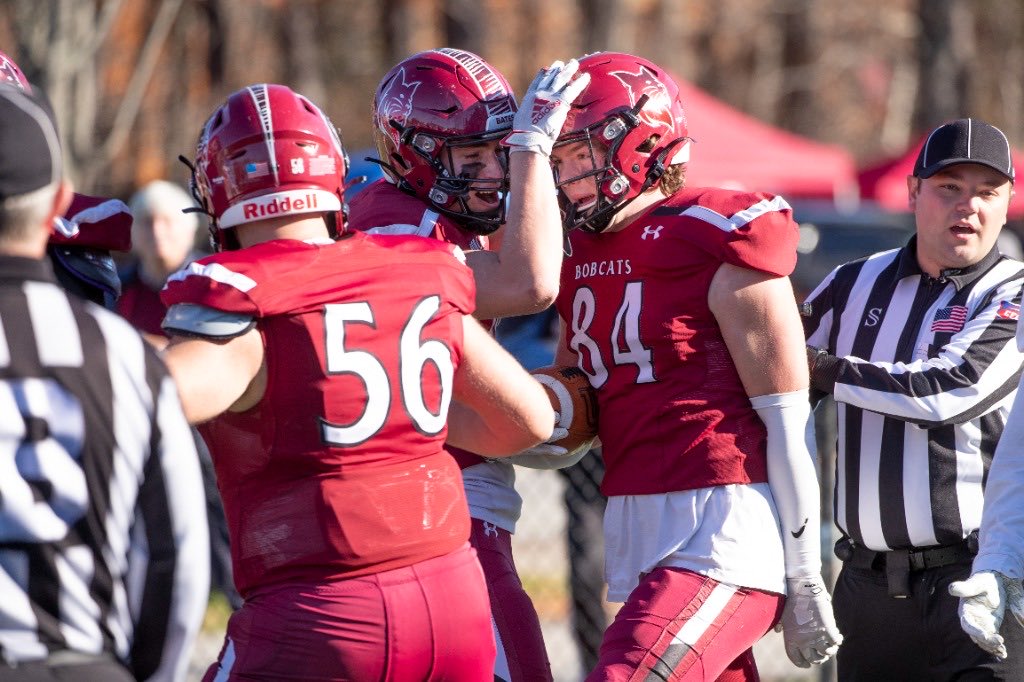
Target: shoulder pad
{"x":189,"y":319}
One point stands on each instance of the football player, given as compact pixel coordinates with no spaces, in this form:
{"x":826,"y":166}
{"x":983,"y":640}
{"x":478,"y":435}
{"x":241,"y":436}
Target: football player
{"x":439,"y":121}
{"x":322,"y":372}
{"x":677,"y":304}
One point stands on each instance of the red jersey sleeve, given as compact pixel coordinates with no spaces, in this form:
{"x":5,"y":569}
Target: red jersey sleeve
{"x":750,"y":230}
{"x":223,"y":281}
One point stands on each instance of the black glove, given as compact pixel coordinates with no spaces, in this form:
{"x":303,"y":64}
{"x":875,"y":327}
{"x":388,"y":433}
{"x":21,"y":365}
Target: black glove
{"x":824,"y":368}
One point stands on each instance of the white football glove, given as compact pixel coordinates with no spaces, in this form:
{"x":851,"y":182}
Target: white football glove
{"x":547,"y":455}
{"x":544,"y":107}
{"x":808,"y":627}
{"x":984,"y":597}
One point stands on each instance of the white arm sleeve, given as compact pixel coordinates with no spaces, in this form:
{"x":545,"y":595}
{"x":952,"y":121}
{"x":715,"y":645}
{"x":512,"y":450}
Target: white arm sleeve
{"x":793,"y":479}
{"x":1002,"y":522}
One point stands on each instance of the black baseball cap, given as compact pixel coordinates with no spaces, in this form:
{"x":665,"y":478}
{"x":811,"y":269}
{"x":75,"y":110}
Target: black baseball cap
{"x":30,"y":156}
{"x":965,"y":140}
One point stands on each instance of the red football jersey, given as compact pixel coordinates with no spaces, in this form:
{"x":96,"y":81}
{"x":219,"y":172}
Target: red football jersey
{"x":340,"y":469}
{"x":384,"y":209}
{"x":673,"y":412}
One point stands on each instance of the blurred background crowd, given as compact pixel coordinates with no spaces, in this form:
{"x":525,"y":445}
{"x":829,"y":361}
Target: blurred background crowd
{"x":825,"y":103}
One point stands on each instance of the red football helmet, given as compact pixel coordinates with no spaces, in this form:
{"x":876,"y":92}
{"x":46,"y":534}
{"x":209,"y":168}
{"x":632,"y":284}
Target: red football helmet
{"x":10,"y":73}
{"x":632,"y":107}
{"x":427,"y":105}
{"x":268,"y":152}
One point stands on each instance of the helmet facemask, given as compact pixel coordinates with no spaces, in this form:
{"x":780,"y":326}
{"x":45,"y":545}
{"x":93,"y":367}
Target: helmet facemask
{"x":450,"y":193}
{"x":428,"y":108}
{"x":613,"y":187}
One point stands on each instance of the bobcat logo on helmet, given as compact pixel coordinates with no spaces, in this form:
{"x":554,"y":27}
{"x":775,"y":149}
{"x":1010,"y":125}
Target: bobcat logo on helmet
{"x":641,"y":83}
{"x":396,"y":101}
{"x":10,"y":73}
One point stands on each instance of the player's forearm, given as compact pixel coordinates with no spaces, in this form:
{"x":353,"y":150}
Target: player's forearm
{"x":1002,"y":523}
{"x":526,"y":274}
{"x":793,"y":479}
{"x":509,"y":412}
{"x":489,"y":434}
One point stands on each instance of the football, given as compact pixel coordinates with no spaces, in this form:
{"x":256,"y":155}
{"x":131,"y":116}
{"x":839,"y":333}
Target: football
{"x":574,"y":399}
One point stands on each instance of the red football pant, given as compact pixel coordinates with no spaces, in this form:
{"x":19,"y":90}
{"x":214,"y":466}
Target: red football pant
{"x":680,"y":625}
{"x":428,"y":621}
{"x":521,"y":654}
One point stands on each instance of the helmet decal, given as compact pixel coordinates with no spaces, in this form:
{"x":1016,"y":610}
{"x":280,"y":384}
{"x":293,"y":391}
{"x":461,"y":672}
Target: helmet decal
{"x":490,"y":86}
{"x":268,"y":151}
{"x":262,"y":102}
{"x":396,"y":100}
{"x":10,"y":73}
{"x":643,"y":82}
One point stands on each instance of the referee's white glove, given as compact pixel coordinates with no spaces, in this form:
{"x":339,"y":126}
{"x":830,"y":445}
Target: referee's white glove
{"x":545,"y":105}
{"x":984,"y":597}
{"x":808,"y":627}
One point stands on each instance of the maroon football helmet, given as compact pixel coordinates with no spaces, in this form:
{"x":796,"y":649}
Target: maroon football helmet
{"x":429,"y":104}
{"x":267,"y":152}
{"x":10,"y":73}
{"x":632,"y":107}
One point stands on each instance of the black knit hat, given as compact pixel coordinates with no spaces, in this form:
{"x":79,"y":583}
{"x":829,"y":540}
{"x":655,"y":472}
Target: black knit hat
{"x":30,"y":156}
{"x":965,"y":140}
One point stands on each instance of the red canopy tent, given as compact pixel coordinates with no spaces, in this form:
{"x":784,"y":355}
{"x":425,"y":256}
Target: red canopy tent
{"x":886,"y":182}
{"x":733,"y":149}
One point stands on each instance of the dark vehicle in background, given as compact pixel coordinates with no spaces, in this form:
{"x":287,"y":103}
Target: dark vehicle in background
{"x":829,"y":238}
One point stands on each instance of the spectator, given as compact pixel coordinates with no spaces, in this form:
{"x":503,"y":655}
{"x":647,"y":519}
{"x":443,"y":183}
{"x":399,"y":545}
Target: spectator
{"x":323,"y":372}
{"x":163,"y":237}
{"x":104,"y":561}
{"x":439,"y":118}
{"x":163,"y":241}
{"x":677,"y":304}
{"x":916,"y":346}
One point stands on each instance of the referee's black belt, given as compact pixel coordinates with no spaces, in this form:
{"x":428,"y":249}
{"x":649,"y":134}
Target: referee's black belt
{"x":898,"y":564}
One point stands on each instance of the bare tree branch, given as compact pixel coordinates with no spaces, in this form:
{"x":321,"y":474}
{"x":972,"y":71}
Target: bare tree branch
{"x":129,"y":107}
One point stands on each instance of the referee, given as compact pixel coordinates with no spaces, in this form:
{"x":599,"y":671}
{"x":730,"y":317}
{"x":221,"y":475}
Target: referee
{"x":103,"y":547}
{"x":917,"y":347}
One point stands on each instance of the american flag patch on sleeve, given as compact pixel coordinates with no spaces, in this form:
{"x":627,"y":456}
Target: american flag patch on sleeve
{"x":949,"y":319}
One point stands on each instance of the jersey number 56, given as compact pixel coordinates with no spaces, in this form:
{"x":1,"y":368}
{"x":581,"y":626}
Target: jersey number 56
{"x":413,"y":355}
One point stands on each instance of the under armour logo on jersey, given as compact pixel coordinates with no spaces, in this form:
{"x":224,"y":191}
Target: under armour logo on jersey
{"x":652,"y":232}
{"x":490,"y":529}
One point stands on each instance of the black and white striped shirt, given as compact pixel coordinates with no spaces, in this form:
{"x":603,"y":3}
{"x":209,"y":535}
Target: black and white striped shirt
{"x":103,"y":538}
{"x":929,"y":372}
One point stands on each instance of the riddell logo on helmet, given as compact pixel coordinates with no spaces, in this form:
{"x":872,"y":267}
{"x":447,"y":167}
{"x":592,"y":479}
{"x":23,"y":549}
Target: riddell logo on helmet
{"x":255,"y":210}
{"x":287,"y":202}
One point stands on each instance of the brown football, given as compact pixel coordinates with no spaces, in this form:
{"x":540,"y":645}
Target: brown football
{"x":575,"y":400}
